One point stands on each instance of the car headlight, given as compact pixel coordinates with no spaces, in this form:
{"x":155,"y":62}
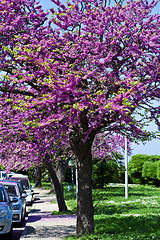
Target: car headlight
{"x":16,"y":207}
{"x":3,"y":213}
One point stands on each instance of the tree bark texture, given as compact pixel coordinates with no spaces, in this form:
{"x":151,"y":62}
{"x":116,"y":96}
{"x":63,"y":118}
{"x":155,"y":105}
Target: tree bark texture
{"x":59,"y":193}
{"x":60,"y":170}
{"x":61,"y":167}
{"x":85,"y":221}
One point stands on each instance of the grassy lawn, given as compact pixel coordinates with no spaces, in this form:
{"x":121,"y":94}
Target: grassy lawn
{"x":117,"y":218}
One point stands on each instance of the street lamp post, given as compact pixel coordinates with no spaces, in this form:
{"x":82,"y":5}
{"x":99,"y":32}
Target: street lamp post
{"x":126,"y":169}
{"x":76,"y":182}
{"x":72,"y":180}
{"x":73,"y":163}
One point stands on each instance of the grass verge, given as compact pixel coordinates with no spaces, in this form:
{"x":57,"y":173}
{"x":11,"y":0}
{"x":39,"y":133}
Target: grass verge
{"x":117,"y":218}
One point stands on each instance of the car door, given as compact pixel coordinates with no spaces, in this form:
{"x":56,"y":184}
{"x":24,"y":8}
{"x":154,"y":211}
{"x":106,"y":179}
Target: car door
{"x":23,"y":199}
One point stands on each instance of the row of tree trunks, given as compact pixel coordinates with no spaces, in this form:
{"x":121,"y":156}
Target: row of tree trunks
{"x":85,"y":222}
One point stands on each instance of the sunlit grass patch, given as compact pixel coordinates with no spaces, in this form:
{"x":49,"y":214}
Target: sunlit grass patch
{"x":117,"y":218}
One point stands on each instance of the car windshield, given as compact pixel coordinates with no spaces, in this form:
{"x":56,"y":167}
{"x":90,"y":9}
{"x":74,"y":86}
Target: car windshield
{"x":11,"y":190}
{"x":2,"y":195}
{"x":24,"y":182}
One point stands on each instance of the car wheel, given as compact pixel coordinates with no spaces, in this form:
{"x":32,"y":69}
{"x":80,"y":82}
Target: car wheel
{"x":8,"y":236}
{"x":22,"y":222}
{"x":24,"y":214}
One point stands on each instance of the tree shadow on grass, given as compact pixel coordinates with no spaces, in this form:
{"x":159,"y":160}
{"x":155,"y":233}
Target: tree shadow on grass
{"x":104,"y":205}
{"x":116,"y":193}
{"x":114,"y":209}
{"x":137,"y":227}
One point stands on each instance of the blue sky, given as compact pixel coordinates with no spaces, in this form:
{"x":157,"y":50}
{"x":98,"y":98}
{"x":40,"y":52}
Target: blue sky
{"x":150,"y":148}
{"x":47,"y":4}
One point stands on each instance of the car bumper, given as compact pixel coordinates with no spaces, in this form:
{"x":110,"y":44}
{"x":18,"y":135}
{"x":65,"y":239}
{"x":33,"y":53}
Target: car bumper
{"x":17,"y":216}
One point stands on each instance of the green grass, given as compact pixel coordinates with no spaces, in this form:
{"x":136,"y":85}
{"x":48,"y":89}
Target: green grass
{"x":46,"y":185}
{"x":68,"y":212}
{"x":117,"y":218}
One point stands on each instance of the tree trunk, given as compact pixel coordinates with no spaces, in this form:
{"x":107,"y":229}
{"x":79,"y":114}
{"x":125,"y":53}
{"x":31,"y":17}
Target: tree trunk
{"x":85,"y":222}
{"x":61,"y":167}
{"x":60,"y":170}
{"x":59,"y":193}
{"x":52,"y":187}
{"x":38,"y":177}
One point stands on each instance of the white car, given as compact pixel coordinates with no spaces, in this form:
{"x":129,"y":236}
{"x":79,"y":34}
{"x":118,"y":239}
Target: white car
{"x":5,"y":215}
{"x":18,"y":197}
{"x":4,"y":174}
{"x":26,"y":186}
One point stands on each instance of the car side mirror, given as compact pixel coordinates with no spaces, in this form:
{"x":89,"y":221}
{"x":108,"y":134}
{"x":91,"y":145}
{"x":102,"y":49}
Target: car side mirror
{"x":13,"y":199}
{"x":24,"y":195}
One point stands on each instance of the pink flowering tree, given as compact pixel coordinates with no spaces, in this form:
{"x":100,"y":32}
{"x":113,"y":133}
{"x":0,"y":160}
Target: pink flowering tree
{"x":92,"y":69}
{"x":22,"y":23}
{"x":21,"y":147}
{"x":105,"y":145}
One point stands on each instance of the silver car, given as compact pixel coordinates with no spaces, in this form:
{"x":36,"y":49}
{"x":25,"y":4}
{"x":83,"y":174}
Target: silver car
{"x":18,"y":197}
{"x":5,"y":215}
{"x":26,"y":186}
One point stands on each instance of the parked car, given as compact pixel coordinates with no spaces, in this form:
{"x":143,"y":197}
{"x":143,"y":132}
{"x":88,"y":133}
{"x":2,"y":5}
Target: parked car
{"x":26,"y":186}
{"x":5,"y":215}
{"x":19,"y":199}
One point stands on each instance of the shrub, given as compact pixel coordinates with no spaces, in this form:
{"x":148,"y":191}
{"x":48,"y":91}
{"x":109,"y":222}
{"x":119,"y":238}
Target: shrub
{"x":135,"y":168}
{"x":149,"y":172}
{"x":106,"y":172}
{"x":144,"y":169}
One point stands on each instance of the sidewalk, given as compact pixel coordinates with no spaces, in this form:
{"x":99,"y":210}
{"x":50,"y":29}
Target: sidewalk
{"x":42,"y":225}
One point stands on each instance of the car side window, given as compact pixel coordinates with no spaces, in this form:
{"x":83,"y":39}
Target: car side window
{"x":19,"y":190}
{"x":3,"y":197}
{"x":11,"y":190}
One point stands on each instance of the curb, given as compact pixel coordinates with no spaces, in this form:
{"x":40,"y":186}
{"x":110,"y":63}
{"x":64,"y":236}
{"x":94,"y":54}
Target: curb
{"x":26,"y":231}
